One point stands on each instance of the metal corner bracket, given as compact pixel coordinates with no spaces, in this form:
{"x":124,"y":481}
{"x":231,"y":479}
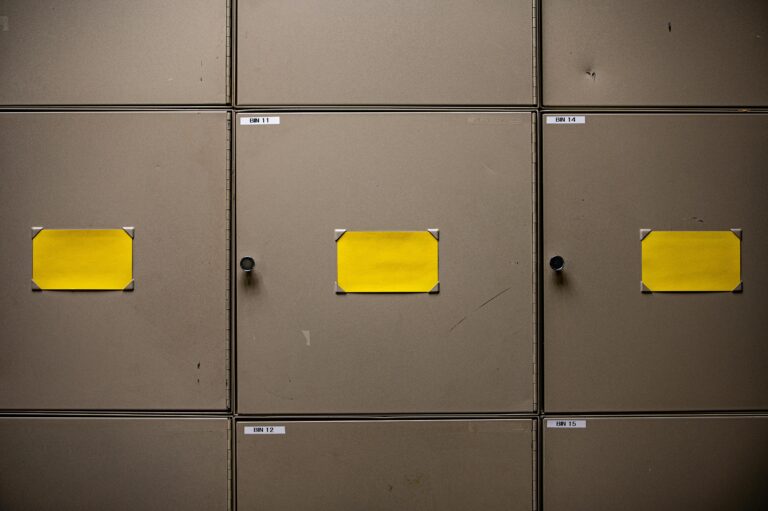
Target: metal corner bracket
{"x":338,"y":233}
{"x":644,"y":233}
{"x":36,"y":231}
{"x":435,"y":233}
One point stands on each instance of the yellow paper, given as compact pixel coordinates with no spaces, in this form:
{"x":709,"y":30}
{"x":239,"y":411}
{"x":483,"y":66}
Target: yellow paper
{"x":387,"y":262}
{"x":82,"y":259}
{"x":691,"y":261}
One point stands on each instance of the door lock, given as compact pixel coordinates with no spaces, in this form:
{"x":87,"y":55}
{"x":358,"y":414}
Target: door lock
{"x":247,"y":264}
{"x":557,"y":263}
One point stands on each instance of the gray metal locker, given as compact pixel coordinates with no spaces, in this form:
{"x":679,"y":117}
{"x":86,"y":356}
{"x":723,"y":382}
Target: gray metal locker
{"x":303,"y":347}
{"x":401,"y":52}
{"x":383,"y":465}
{"x":663,"y":463}
{"x":101,"y":52}
{"x":158,"y":339}
{"x":654,"y":53}
{"x":607,"y":180}
{"x":85,"y":464}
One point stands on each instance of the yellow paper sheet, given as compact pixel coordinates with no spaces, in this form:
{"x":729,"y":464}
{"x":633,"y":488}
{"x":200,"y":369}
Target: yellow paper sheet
{"x":387,"y":262}
{"x":82,"y":259}
{"x":691,"y":261}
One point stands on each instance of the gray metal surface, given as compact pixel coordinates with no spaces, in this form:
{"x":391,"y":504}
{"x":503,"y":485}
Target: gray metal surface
{"x":99,"y":52}
{"x":655,"y":53}
{"x":666,"y":464}
{"x":90,"y":464}
{"x":385,"y":465}
{"x":398,"y":52}
{"x":608,"y":347}
{"x":469,"y":348}
{"x":162,"y":346}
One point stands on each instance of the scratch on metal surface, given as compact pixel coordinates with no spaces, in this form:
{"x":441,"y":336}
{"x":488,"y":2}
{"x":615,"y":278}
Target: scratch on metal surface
{"x":493,"y":298}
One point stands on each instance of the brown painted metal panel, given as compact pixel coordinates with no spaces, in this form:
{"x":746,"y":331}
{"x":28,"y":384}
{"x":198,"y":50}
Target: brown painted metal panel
{"x":655,"y":53}
{"x":114,"y":463}
{"x":609,"y":347}
{"x":162,"y":345}
{"x":382,"y":465}
{"x":96,"y":52}
{"x":398,"y":52}
{"x":657,"y":463}
{"x":302,"y":348}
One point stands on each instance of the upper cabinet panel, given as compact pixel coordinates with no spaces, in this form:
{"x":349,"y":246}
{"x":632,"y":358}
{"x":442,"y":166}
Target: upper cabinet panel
{"x":398,"y":52}
{"x":112,"y":52}
{"x":655,"y":53}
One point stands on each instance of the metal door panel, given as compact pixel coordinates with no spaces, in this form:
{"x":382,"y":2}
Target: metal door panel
{"x":302,"y":348}
{"x":664,"y":463}
{"x":100,"y":52}
{"x":114,"y":463}
{"x":381,"y":465}
{"x":162,"y":345}
{"x":401,"y":52}
{"x":655,"y":53}
{"x":609,"y":347}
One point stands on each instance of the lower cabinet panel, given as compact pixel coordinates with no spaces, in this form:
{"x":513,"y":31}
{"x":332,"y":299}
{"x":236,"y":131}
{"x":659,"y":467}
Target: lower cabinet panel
{"x":659,"y":464}
{"x":386,"y":465}
{"x":113,"y":463}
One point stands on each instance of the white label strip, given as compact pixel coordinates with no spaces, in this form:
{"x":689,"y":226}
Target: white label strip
{"x":566,"y":119}
{"x":566,"y":423}
{"x":259,"y":121}
{"x":265,"y":430}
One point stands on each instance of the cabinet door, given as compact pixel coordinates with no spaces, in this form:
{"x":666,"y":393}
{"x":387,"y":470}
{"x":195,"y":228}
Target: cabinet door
{"x":157,"y":340}
{"x":609,"y":182}
{"x":669,"y":463}
{"x":383,"y":465}
{"x":655,"y":53}
{"x":92,"y":464}
{"x":303,"y":346}
{"x":111,"y":52}
{"x":399,"y":52}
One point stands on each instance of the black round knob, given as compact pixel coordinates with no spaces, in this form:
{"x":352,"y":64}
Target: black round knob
{"x":557,"y":263}
{"x":247,"y":264}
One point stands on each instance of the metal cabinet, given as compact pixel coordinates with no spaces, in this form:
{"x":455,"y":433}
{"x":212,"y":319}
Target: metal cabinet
{"x":79,"y":463}
{"x":305,"y":347}
{"x":99,"y":52}
{"x":664,"y":463}
{"x":654,"y":53}
{"x":159,"y":340}
{"x":609,"y":180}
{"x":402,"y":52}
{"x":382,"y":465}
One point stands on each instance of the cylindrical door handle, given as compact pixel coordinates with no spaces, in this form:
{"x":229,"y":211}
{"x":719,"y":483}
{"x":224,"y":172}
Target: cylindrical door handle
{"x":557,"y":263}
{"x":247,"y":264}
